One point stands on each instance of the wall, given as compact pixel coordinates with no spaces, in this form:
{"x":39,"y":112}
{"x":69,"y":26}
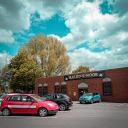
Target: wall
{"x":119,"y":79}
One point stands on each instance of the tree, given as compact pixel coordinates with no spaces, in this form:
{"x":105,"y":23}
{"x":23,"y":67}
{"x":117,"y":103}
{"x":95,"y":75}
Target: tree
{"x":24,"y":72}
{"x":52,"y":53}
{"x":41,"y":56}
{"x":81,"y":69}
{"x":5,"y":78}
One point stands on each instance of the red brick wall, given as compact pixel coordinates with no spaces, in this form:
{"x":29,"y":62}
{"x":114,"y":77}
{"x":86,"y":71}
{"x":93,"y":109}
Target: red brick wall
{"x":119,"y":79}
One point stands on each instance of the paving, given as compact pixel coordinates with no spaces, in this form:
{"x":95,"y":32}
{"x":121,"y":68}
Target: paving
{"x":97,"y":115}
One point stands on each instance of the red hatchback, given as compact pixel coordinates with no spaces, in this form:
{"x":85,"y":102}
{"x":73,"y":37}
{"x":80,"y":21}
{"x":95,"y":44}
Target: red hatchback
{"x":27,"y":104}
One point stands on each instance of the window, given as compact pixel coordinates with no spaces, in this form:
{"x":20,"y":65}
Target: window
{"x":63,"y":89}
{"x":60,"y":89}
{"x":107,"y":89}
{"x":57,"y":89}
{"x":15,"y":98}
{"x":45,"y":90}
{"x":27,"y":99}
{"x":40,"y":91}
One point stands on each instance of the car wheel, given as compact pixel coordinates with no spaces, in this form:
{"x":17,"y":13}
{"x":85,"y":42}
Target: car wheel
{"x":82,"y":102}
{"x":43,"y":112}
{"x":62,"y":107}
{"x":91,"y":101}
{"x":99,"y":100}
{"x":6,"y":112}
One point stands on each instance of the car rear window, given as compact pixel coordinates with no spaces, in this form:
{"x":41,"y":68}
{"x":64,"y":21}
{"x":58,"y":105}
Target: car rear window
{"x":14,"y":98}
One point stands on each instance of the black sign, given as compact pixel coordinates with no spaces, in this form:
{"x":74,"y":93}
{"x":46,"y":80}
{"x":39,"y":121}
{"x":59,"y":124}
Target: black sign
{"x":84,"y":76}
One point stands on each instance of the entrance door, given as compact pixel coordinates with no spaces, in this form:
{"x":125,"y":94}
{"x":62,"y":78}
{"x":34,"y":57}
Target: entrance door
{"x":82,"y":88}
{"x":82,"y":91}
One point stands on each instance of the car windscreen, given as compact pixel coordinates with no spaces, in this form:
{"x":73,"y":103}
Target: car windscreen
{"x":38,"y":98}
{"x":88,"y":94}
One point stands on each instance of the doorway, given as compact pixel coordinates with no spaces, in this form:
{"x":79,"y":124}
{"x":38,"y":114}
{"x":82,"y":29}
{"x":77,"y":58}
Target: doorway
{"x":82,"y":88}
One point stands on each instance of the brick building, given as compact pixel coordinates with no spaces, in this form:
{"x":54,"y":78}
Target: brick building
{"x":111,"y":84}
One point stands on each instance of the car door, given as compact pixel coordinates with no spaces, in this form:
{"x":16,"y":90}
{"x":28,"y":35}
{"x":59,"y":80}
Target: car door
{"x":49,"y":97}
{"x":96,"y":97}
{"x":14,"y":103}
{"x":29,"y":105}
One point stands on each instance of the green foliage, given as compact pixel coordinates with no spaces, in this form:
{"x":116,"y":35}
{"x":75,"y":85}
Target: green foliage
{"x":24,"y":73}
{"x":25,"y":67}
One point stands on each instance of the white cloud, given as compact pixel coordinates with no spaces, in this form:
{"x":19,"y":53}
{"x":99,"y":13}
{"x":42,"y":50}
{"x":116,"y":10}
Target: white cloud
{"x":6,"y":36}
{"x":14,"y":15}
{"x":86,"y":24}
{"x":98,"y":61}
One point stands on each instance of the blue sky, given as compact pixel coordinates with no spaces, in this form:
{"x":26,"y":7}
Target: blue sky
{"x":95,"y":32}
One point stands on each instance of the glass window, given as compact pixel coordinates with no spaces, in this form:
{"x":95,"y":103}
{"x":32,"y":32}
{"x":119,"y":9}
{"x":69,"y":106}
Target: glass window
{"x":63,"y":89}
{"x":40,"y":91}
{"x":27,"y":99}
{"x":57,"y":89}
{"x":107,"y":89}
{"x":38,"y":98}
{"x":45,"y":90}
{"x":60,"y":89}
{"x":14,"y":98}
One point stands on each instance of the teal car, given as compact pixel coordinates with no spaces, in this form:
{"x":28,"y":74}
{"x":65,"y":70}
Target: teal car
{"x":90,"y":98}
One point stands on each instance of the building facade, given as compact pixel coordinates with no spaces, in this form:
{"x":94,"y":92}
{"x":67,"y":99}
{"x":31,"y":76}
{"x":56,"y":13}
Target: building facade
{"x":111,"y":84}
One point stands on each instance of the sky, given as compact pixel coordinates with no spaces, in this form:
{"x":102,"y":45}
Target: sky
{"x":94,"y":32}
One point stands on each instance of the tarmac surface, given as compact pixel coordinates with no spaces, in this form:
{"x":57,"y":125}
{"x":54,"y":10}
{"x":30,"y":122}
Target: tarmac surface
{"x":97,"y":115}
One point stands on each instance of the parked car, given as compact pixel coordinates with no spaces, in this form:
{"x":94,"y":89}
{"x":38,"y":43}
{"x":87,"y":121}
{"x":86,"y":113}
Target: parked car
{"x":27,"y":104}
{"x":62,"y":100}
{"x":90,"y":98}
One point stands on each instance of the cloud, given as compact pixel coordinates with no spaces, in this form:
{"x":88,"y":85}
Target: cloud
{"x":13,"y":15}
{"x":121,"y":6}
{"x":13,"y":18}
{"x":4,"y":59}
{"x":99,"y":61}
{"x":86,"y":23}
{"x":6,"y":36}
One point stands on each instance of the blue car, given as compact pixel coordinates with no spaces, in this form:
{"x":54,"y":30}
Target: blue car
{"x":90,"y":98}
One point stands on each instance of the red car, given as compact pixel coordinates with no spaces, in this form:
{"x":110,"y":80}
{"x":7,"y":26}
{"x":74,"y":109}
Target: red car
{"x":27,"y":104}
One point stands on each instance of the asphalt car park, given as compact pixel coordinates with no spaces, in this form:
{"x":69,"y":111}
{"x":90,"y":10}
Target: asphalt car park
{"x":97,"y":115}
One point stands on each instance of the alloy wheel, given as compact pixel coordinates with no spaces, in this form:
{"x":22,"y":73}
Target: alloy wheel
{"x":6,"y":112}
{"x":43,"y":112}
{"x":62,"y":107}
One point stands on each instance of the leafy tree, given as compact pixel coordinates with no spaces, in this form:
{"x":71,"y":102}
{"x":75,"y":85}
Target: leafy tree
{"x":24,"y":72}
{"x":4,"y":77}
{"x":52,"y":53}
{"x":81,"y":69}
{"x":41,"y":56}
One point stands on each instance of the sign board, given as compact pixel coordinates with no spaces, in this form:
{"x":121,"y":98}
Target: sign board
{"x":88,"y":75}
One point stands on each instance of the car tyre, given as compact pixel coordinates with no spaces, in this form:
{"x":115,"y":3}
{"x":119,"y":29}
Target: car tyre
{"x":6,"y":112}
{"x":99,"y":100}
{"x":62,"y":107}
{"x":91,"y":101}
{"x":43,"y":112}
{"x":81,"y":102}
